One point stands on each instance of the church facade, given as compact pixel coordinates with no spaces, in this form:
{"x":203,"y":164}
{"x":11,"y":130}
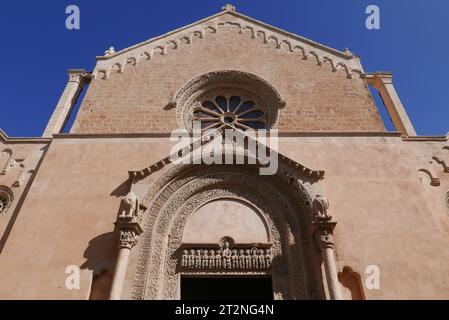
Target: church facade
{"x":352,"y":211}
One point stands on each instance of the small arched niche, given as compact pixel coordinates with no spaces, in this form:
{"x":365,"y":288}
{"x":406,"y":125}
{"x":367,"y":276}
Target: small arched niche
{"x":226,"y":218}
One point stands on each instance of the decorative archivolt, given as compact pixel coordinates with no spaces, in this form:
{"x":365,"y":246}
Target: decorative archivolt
{"x":117,"y":62}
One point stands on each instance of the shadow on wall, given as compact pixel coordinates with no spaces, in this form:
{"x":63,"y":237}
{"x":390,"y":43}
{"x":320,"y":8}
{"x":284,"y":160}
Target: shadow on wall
{"x":351,"y":282}
{"x":122,"y":189}
{"x":100,"y":256}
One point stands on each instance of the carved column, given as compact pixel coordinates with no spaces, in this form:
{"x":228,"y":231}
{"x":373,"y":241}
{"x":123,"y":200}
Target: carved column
{"x":326,"y":242}
{"x":75,"y":84}
{"x":129,"y":227}
{"x":323,"y":229}
{"x":383,"y":82}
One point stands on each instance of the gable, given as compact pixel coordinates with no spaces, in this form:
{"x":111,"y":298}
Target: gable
{"x":132,"y":89}
{"x":241,"y":24}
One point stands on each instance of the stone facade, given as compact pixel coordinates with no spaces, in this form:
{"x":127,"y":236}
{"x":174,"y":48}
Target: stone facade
{"x":107,"y":199}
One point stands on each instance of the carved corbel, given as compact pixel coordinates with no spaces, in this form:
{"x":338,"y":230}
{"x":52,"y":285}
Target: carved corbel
{"x":441,"y":161}
{"x":434,"y":180}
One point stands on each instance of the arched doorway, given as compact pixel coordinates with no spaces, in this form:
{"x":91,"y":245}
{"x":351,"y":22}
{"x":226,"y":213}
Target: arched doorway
{"x":272,"y":217}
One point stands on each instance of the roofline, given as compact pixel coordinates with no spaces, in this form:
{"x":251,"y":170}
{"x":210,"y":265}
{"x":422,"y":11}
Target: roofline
{"x":7,"y":139}
{"x":312,"y":43}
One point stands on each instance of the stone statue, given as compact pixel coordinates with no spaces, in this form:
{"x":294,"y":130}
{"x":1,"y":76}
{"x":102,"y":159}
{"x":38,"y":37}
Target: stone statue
{"x":185,"y":258}
{"x":320,"y":207}
{"x":130,"y":204}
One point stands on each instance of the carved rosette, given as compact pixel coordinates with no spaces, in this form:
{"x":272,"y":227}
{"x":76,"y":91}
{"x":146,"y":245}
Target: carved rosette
{"x":129,"y":221}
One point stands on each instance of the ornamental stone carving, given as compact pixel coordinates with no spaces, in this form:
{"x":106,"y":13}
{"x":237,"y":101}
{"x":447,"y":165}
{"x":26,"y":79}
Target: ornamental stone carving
{"x":325,"y":238}
{"x":331,"y":59}
{"x":182,"y":190}
{"x":226,"y":257}
{"x":128,"y":238}
{"x":227,"y":83}
{"x":322,"y":223}
{"x":229,"y":7}
{"x":3,"y":203}
{"x":129,"y":221}
{"x":320,"y":207}
{"x":109,"y":52}
{"x":129,"y":207}
{"x":6,"y":198}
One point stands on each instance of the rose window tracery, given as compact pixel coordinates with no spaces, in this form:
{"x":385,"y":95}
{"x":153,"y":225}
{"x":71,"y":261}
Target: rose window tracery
{"x":5,"y":199}
{"x":235,"y":111}
{"x":3,"y":204}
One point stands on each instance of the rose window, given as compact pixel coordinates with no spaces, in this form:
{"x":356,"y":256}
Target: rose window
{"x":3,"y":203}
{"x":234,"y":111}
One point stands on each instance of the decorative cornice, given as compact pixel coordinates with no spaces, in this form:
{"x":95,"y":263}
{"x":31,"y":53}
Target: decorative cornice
{"x":6,"y":139}
{"x":157,"y":166}
{"x":279,"y":39}
{"x":281,"y":134}
{"x":427,"y":138}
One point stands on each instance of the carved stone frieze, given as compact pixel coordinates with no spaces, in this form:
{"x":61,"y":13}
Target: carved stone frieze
{"x":226,"y":257}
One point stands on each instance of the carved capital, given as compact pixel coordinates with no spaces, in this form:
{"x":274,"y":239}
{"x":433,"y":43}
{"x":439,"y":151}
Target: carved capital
{"x":128,"y":238}
{"x":78,"y":75}
{"x":378,"y":79}
{"x":324,"y":234}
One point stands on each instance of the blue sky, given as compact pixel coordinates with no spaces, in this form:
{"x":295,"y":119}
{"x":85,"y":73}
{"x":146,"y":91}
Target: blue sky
{"x":36,"y":48}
